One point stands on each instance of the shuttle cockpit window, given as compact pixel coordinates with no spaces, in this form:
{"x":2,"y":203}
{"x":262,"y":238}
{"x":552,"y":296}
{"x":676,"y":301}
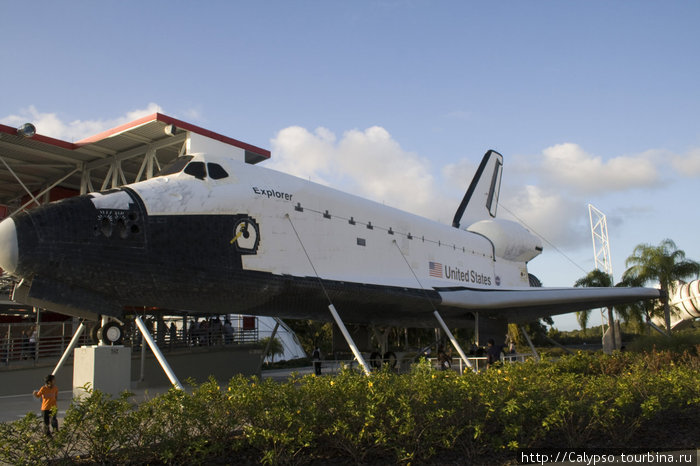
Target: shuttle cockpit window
{"x":197,"y":170}
{"x":175,"y":166}
{"x":216,"y":171}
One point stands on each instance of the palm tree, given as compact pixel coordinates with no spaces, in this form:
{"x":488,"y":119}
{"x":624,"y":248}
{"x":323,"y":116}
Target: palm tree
{"x":639,"y":312}
{"x":595,"y":278}
{"x":665,"y":264}
{"x":273,"y":346}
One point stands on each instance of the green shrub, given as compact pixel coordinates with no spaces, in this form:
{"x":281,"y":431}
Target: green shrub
{"x":274,"y":418}
{"x":425,"y":416}
{"x":340,"y":413}
{"x":189,"y":427}
{"x":99,"y":427}
{"x":679,"y":342}
{"x":23,"y":442}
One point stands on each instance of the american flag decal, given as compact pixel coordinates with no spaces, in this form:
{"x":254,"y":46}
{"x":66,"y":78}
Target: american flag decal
{"x":435,"y":269}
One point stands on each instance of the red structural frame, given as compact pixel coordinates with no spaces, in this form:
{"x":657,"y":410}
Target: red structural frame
{"x":133,"y":124}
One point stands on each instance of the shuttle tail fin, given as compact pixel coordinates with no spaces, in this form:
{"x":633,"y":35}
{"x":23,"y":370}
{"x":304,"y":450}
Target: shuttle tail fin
{"x":481,"y":199}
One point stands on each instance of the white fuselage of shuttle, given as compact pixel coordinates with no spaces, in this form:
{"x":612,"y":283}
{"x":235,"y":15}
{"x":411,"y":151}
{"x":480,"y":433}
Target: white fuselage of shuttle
{"x":307,"y":229}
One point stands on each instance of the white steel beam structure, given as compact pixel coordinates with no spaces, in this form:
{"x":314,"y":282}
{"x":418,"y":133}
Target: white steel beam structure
{"x":601,"y":256}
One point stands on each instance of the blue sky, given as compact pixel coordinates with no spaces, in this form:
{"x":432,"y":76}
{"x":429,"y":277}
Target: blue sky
{"x":589,"y":102}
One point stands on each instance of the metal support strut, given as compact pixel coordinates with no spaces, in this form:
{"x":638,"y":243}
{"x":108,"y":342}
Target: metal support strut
{"x":336,"y":317}
{"x":159,"y":356}
{"x":269,"y":343}
{"x":454,"y":341}
{"x":73,"y":343}
{"x":349,"y":339}
{"x":529,"y":342}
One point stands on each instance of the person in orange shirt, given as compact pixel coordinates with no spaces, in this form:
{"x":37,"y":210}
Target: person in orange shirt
{"x":49,"y":408}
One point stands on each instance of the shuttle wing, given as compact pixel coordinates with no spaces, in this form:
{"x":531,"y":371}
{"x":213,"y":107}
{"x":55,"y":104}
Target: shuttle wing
{"x":526,"y":304}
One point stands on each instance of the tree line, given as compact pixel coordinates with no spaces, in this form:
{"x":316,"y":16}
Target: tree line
{"x":664,"y":264}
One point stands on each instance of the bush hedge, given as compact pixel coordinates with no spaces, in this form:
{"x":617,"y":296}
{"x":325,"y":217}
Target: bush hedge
{"x":585,"y":400}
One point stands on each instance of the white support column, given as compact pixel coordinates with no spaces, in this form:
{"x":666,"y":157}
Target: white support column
{"x":108,"y":176}
{"x":159,"y":356}
{"x":349,"y":339}
{"x":456,"y":345}
{"x":118,"y":178}
{"x":151,"y":157}
{"x":142,"y":374}
{"x":269,"y":343}
{"x":73,"y":343}
{"x":529,"y":342}
{"x":103,"y":322}
{"x":147,"y":164}
{"x":85,"y":181}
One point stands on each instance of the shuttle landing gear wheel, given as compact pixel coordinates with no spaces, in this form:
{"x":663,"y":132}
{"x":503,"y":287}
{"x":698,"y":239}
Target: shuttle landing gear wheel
{"x":94,"y":331}
{"x":111,"y":334}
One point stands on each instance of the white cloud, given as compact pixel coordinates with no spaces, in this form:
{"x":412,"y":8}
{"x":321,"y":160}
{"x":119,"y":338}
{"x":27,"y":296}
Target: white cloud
{"x":384,"y":171}
{"x":50,"y":124}
{"x":192,"y":114}
{"x":300,"y":153}
{"x":687,"y":165}
{"x":570,"y":167}
{"x":558,"y":219}
{"x":565,"y":178}
{"x":368,"y":163}
{"x":459,"y":175}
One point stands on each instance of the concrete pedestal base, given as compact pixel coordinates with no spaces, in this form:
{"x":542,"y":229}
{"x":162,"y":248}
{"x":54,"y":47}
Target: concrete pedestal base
{"x":106,"y":368}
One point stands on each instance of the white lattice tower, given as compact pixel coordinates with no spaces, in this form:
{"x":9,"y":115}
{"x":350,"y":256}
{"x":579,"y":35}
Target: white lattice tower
{"x":601,"y":249}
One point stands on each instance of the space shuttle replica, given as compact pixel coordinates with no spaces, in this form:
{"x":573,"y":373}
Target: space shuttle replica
{"x":685,"y":303}
{"x":212,"y":233}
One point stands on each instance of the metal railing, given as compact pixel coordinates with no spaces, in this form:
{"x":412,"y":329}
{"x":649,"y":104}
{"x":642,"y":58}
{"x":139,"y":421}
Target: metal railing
{"x":27,"y":343}
{"x":479,"y":362}
{"x":169,"y":339}
{"x":332,"y":366}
